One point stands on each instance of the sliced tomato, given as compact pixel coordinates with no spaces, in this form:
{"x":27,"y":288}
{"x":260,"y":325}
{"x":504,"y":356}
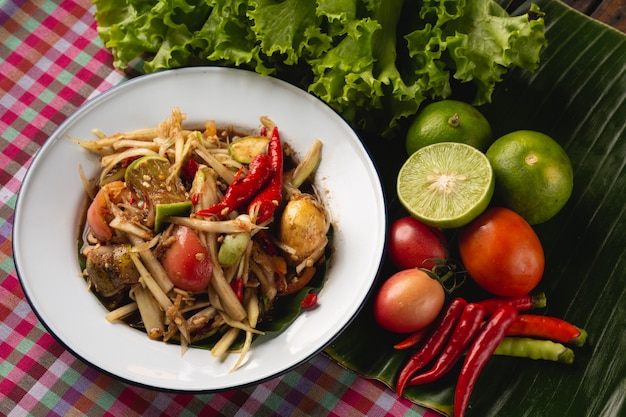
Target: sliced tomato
{"x":187,"y":261}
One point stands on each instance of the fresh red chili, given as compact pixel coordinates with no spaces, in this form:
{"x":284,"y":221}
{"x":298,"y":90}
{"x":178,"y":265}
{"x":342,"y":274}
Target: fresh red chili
{"x":309,"y":301}
{"x":481,"y":349}
{"x":464,"y":332}
{"x":414,"y":338}
{"x":523,"y":303}
{"x":242,"y":190}
{"x":237,"y":286}
{"x":440,"y":333}
{"x":546,"y":327}
{"x":269,"y":198}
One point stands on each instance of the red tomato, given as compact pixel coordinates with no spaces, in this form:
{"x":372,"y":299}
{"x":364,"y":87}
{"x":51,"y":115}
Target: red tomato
{"x":187,"y":261}
{"x":502,"y":252}
{"x":408,"y":301}
{"x":412,"y":244}
{"x":98,"y":211}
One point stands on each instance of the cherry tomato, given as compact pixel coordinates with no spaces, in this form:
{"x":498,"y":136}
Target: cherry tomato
{"x":502,"y":253}
{"x":187,"y":261}
{"x":408,"y":301}
{"x":98,"y":211}
{"x":412,"y":244}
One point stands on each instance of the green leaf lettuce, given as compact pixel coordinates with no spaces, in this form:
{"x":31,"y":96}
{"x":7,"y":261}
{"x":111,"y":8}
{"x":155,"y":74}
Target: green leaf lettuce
{"x":373,"y":61}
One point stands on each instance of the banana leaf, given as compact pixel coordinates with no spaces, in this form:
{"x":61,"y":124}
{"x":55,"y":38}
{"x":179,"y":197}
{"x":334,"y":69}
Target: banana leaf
{"x":577,"y":96}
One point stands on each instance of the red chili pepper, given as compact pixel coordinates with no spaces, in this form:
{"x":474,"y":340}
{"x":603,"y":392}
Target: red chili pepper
{"x":237,"y":286}
{"x":269,"y":198}
{"x":440,"y":334}
{"x":414,"y":338}
{"x":309,"y":301}
{"x":523,"y":303}
{"x":126,"y":162}
{"x":479,"y":353}
{"x":189,"y":169}
{"x":464,"y":332}
{"x":263,"y":239}
{"x":546,"y":327}
{"x":263,"y":130}
{"x":242,"y":190}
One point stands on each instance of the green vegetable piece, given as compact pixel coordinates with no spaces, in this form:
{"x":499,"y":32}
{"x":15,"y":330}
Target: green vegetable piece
{"x":245,"y":149}
{"x":148,"y":177}
{"x":232,"y":248}
{"x":165,"y":210}
{"x":308,"y":165}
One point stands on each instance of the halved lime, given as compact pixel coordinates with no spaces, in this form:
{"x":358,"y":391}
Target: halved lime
{"x":446,"y":185}
{"x":148,"y":177}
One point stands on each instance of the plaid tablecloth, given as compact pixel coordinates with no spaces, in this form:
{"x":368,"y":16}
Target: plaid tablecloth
{"x":51,"y":62}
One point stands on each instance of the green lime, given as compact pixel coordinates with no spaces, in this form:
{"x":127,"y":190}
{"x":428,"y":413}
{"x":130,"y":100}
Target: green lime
{"x":534,"y":175}
{"x":448,"y":121}
{"x":446,"y":184}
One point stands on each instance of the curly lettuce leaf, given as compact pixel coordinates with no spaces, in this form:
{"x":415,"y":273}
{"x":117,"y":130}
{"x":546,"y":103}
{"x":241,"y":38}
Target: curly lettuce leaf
{"x":128,"y":29}
{"x":361,"y":71}
{"x":373,"y":61}
{"x":285,"y":27}
{"x":486,"y":41}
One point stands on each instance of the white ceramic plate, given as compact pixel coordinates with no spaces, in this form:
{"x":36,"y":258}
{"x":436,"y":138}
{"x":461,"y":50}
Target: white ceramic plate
{"x":51,"y":200}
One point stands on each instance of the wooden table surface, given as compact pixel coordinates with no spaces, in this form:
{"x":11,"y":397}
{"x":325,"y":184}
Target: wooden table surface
{"x":611,"y":12}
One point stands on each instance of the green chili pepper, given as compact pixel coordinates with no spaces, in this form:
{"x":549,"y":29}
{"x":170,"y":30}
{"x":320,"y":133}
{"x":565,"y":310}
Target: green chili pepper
{"x":538,"y":349}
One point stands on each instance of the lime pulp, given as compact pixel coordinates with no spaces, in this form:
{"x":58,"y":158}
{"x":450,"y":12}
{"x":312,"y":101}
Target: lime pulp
{"x":446,"y":185}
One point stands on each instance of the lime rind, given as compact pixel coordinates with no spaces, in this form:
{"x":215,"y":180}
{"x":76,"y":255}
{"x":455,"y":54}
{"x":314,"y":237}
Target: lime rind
{"x":446,"y":185}
{"x":166,"y":210}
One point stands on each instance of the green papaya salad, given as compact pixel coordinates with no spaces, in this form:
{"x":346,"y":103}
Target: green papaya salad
{"x":197,"y":236}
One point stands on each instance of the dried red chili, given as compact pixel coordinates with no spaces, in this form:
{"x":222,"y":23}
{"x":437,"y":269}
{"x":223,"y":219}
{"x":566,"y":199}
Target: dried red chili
{"x":269,"y":198}
{"x":188,"y":170}
{"x":243,"y":189}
